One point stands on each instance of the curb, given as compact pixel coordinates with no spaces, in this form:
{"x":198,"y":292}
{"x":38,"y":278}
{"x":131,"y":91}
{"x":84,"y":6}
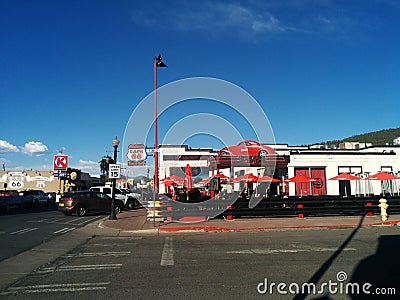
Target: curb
{"x":224,"y":229}
{"x":218,"y":228}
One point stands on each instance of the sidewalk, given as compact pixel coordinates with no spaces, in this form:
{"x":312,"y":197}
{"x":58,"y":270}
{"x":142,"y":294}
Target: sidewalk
{"x":136,"y":221}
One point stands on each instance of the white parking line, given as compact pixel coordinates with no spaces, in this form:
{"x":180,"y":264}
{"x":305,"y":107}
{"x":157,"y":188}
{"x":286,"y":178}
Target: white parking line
{"x":66,"y":220}
{"x":51,"y":220}
{"x":64,"y":230}
{"x":80,"y":268}
{"x":167,"y":256}
{"x":89,"y":220}
{"x":22,"y":231}
{"x":110,"y":245}
{"x":87,"y":254}
{"x":47,"y":288}
{"x":279,"y":251}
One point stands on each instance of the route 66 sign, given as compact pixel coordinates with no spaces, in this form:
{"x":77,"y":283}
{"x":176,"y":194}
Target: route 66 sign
{"x":136,"y":152}
{"x":16,"y":183}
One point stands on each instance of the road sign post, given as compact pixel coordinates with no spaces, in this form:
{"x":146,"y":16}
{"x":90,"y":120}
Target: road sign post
{"x":60,"y":163}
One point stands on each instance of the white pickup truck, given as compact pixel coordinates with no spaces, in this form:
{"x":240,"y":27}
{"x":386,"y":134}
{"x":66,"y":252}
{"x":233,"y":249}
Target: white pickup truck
{"x":130,"y":199}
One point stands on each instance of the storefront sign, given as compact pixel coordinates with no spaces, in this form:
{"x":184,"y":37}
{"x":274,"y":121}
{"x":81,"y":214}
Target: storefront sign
{"x":136,"y":155}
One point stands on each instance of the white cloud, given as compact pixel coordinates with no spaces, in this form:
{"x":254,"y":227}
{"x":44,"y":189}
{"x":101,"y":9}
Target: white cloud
{"x":212,"y":17}
{"x":88,"y":166}
{"x":34,"y":148}
{"x":270,"y":24}
{"x":7,"y":147}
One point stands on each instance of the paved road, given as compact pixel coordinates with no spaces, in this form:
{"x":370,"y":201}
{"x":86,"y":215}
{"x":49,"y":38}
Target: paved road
{"x":215,"y":265}
{"x":29,"y":227}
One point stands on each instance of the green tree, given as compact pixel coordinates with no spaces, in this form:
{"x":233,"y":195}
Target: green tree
{"x":104,"y":164}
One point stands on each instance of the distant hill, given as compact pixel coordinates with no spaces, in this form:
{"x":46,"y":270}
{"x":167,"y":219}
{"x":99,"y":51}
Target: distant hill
{"x":377,"y":138}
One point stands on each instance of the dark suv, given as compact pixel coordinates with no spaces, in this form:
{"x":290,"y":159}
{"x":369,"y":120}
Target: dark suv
{"x":83,"y":202}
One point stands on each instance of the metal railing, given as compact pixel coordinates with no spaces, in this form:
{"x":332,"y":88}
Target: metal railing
{"x":306,"y":206}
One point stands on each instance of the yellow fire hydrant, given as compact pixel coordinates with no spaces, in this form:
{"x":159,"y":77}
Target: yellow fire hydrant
{"x":384,"y":206}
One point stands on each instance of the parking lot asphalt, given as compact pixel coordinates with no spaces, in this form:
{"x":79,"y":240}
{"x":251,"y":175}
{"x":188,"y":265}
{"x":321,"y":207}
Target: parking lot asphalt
{"x":137,"y":221}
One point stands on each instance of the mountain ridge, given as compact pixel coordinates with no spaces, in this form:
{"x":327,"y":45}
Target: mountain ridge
{"x":376,"y":138}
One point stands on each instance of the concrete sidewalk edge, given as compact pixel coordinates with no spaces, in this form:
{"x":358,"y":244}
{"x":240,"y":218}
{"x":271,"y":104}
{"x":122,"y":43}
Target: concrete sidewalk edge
{"x":245,"y":224}
{"x":224,"y":229}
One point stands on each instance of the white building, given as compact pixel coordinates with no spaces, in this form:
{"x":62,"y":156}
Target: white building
{"x":316,"y":163}
{"x":325,"y":164}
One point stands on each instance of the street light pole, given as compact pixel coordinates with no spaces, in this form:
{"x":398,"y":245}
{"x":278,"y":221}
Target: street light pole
{"x":115,"y":143}
{"x":157,"y":63}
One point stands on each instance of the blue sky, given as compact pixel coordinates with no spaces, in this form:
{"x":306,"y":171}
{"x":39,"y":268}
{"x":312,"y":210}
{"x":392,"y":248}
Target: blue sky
{"x":73,"y":72}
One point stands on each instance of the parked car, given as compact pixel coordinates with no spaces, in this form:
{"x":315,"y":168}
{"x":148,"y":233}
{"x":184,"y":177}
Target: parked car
{"x":84,"y":202}
{"x":9,"y":199}
{"x":247,"y":148}
{"x":132,"y":197}
{"x":130,"y":200}
{"x":8,"y":193}
{"x":3,"y":204}
{"x":34,"y":197}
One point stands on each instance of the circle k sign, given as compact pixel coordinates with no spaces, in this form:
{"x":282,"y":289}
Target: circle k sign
{"x":60,"y":162}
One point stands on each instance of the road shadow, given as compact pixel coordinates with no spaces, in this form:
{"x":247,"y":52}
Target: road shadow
{"x":29,"y":209}
{"x":327,"y":264}
{"x":381,"y":270}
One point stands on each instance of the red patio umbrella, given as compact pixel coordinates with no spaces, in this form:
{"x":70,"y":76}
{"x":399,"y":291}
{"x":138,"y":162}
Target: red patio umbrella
{"x":205,"y":181}
{"x":300,"y":179}
{"x":383,"y":176}
{"x":177,"y":179}
{"x":268,"y":178}
{"x":167,"y":181}
{"x":188,"y":181}
{"x":247,"y":178}
{"x":172,"y":180}
{"x":345,"y":176}
{"x":223,"y":178}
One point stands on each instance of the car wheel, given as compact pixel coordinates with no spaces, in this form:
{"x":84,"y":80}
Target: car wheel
{"x":223,"y":153}
{"x":263,"y":153}
{"x":81,"y":211}
{"x":130,"y":204}
{"x":117,"y":209}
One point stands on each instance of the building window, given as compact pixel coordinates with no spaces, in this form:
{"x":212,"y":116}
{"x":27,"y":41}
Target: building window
{"x":387,"y":169}
{"x":350,"y":170}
